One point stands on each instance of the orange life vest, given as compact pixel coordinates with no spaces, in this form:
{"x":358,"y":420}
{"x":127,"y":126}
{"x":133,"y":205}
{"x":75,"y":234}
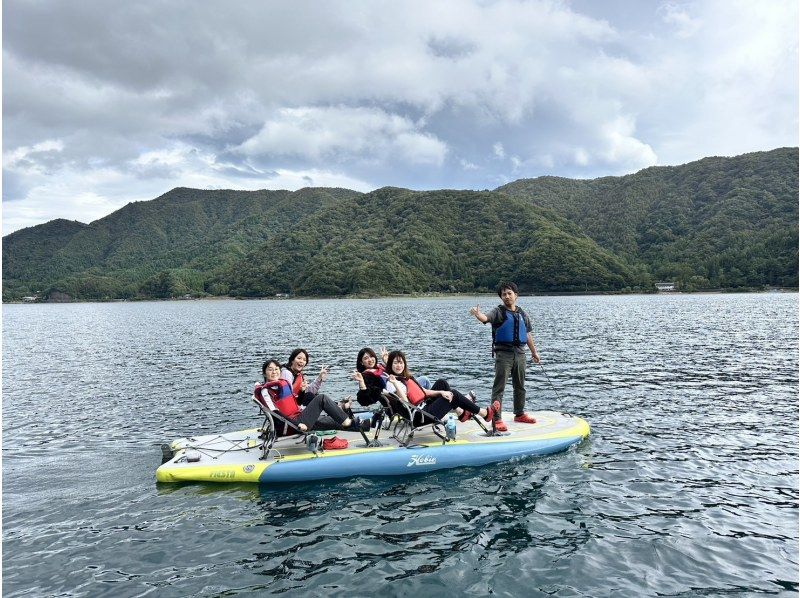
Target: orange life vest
{"x":414,"y":392}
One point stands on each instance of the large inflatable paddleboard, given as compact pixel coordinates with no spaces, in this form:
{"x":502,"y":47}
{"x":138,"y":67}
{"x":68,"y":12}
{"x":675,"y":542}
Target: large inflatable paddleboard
{"x":236,"y":456}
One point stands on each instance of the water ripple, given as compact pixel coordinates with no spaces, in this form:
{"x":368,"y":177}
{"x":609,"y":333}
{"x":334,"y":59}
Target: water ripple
{"x":688,"y":485}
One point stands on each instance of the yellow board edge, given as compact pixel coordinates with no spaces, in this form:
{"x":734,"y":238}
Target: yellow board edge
{"x":251,"y":472}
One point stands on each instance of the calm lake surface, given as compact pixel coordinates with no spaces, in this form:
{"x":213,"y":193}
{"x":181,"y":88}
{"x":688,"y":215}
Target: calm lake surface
{"x":687,"y":486}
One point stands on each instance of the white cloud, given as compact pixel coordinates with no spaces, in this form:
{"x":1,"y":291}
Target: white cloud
{"x":685,"y":25}
{"x":621,"y":147}
{"x":340,"y":134}
{"x":19,"y":155}
{"x":82,"y":196}
{"x":89,"y":195}
{"x":729,"y":89}
{"x":379,"y":92}
{"x":162,"y":157}
{"x":293,"y":180}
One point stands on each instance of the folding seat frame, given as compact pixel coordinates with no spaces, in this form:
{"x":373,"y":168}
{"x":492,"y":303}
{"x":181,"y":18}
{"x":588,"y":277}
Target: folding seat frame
{"x":404,"y":415}
{"x":269,"y":434}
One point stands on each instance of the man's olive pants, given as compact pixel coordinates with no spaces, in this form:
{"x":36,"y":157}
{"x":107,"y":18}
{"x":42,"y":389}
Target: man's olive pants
{"x":509,"y":363}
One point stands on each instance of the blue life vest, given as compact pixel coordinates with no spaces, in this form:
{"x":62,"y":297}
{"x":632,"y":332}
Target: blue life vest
{"x":512,"y":330}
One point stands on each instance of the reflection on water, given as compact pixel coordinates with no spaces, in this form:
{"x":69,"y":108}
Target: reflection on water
{"x":688,"y":484}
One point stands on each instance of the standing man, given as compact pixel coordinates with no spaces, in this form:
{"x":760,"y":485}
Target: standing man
{"x":511,"y":331}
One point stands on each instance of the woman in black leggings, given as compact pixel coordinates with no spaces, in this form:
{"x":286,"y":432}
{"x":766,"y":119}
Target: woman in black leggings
{"x":305,"y":411}
{"x":437,"y":401}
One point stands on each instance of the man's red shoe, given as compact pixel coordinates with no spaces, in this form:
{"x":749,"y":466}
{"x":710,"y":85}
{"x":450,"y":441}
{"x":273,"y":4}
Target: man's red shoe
{"x":525,"y":419}
{"x":500,"y":425}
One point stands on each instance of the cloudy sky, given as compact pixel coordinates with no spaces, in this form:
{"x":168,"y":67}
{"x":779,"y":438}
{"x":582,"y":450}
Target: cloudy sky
{"x":105,"y":103}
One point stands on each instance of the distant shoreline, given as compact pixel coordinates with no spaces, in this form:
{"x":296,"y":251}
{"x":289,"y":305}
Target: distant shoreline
{"x":419,"y":296}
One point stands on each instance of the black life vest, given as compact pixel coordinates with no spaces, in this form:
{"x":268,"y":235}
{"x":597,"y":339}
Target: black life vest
{"x":375,"y":377}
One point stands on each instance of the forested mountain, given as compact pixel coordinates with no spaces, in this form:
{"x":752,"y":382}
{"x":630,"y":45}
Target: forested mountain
{"x":164,"y":247}
{"x":27,"y":251}
{"x":400,"y":241}
{"x":715,"y":223}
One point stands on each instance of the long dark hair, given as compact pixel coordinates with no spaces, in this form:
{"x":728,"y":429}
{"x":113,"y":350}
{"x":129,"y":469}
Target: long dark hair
{"x":394,"y":355}
{"x":294,"y":354}
{"x":365,"y":351}
{"x":266,"y":364}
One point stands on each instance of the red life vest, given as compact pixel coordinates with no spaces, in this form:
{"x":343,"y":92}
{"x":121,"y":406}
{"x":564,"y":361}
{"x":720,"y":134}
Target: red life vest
{"x":414,"y":392}
{"x":282,"y":398}
{"x":297,"y":385}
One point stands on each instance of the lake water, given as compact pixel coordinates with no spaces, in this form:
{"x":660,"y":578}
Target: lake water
{"x":687,"y":486}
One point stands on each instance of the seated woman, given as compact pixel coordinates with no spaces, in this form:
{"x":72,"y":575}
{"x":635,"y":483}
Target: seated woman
{"x":292,"y":372}
{"x":439,"y":399}
{"x":370,"y":375}
{"x":277,"y":394}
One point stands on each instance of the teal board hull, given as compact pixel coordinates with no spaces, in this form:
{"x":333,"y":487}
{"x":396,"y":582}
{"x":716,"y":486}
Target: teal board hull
{"x":411,"y":461}
{"x":236,"y":456}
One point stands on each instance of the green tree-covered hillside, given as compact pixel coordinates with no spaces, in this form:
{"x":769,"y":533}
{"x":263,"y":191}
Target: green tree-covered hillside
{"x":25,"y":252}
{"x":714,"y":223}
{"x":726,"y":223}
{"x":163,"y":247}
{"x":400,"y":241}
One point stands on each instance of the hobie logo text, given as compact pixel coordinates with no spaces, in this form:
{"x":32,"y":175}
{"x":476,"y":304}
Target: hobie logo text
{"x":421,"y":460}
